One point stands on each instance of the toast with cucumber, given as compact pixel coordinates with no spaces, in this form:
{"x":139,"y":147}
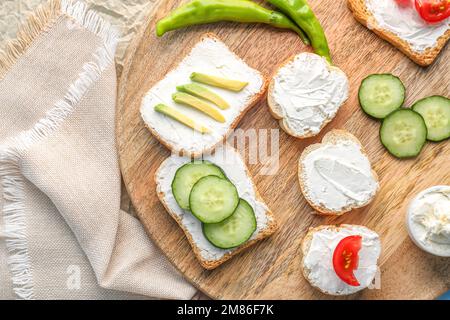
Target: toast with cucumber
{"x":200,"y":101}
{"x":216,"y":204}
{"x":388,"y":20}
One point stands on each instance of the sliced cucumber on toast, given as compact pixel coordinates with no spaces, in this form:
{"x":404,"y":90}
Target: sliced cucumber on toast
{"x":403,"y":133}
{"x":435,"y":110}
{"x":213,"y":199}
{"x":187,"y":175}
{"x":203,"y":188}
{"x":381,"y":94}
{"x":233,"y":231}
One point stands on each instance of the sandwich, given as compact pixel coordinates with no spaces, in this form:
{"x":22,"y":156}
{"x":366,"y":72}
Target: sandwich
{"x":306,"y":93}
{"x":216,"y":204}
{"x":402,"y":26}
{"x":336,"y":175}
{"x":340,"y":260}
{"x":198,"y":103}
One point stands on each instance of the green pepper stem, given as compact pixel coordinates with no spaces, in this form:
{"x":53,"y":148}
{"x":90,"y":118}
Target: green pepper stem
{"x":300,"y":12}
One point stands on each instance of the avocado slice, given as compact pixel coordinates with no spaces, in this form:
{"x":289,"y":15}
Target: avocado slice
{"x":233,"y":85}
{"x":176,"y":115}
{"x":187,"y":99}
{"x":203,"y":92}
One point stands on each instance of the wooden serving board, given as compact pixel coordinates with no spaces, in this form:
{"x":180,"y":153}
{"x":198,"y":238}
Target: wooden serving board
{"x":271,"y":269}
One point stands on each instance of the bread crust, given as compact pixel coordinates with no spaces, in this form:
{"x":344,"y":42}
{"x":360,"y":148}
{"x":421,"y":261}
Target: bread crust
{"x":232,"y":126}
{"x":276,"y":112}
{"x":212,"y":264}
{"x":306,"y":245}
{"x":365,"y":17}
{"x":331,"y":137}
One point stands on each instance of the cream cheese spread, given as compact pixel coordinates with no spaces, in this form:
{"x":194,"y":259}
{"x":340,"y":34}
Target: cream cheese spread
{"x":308,"y":92}
{"x":319,"y":259}
{"x":339,"y":176}
{"x":231,"y":163}
{"x":406,"y":23}
{"x":209,"y":56}
{"x":429,"y":220}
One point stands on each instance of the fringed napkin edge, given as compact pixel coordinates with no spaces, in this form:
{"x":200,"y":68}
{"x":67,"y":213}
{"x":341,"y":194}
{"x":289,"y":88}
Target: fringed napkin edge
{"x":11,"y":179}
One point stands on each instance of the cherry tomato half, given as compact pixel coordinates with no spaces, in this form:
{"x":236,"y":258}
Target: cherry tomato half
{"x":345,"y":259}
{"x":433,"y":10}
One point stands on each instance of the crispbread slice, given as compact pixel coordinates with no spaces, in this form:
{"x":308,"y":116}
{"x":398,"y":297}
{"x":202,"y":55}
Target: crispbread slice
{"x":173,"y":134}
{"x":209,"y":256}
{"x":364,"y":16}
{"x":332,"y":137}
{"x":276,"y":109}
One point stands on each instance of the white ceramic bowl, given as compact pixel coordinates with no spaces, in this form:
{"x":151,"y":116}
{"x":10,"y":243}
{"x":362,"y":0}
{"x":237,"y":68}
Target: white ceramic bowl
{"x":414,"y":228}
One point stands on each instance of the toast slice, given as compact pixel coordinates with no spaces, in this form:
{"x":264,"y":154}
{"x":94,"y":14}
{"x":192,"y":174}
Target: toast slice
{"x":336,"y":176}
{"x":306,"y":93}
{"x":209,"y":56}
{"x":317,"y":255}
{"x":234,"y":168}
{"x":423,"y":57}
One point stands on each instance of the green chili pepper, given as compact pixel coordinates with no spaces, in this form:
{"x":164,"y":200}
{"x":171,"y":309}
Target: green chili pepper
{"x":301,"y":13}
{"x":208,"y":11}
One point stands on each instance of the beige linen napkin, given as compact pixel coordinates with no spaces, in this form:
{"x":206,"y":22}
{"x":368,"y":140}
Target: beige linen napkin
{"x":127,"y":15}
{"x":62,"y":234}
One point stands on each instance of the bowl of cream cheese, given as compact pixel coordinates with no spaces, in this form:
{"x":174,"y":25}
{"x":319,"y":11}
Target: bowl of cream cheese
{"x":428,"y":220}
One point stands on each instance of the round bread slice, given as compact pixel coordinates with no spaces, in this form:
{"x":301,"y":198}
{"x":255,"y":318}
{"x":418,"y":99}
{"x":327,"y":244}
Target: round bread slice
{"x":336,"y":175}
{"x":305,"y":94}
{"x":317,"y":261}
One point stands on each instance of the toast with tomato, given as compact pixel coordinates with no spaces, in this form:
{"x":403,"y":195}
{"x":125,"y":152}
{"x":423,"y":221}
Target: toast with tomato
{"x":426,"y":20}
{"x":340,"y":260}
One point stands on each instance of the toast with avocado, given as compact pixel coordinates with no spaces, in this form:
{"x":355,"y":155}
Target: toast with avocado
{"x":202,"y":99}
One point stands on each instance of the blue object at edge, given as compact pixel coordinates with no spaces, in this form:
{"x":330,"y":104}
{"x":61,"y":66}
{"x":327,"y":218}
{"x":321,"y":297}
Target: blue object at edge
{"x":445,"y":296}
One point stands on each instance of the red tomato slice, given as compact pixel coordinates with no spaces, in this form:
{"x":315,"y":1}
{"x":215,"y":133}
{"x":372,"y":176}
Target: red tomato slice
{"x":433,"y":10}
{"x":403,"y":3}
{"x":345,"y":259}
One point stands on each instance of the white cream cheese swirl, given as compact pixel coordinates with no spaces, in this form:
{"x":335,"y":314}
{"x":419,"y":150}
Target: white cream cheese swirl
{"x":429,"y":220}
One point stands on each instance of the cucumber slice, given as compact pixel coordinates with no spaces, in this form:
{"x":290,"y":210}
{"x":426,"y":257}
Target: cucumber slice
{"x":213,"y":199}
{"x":403,"y":133}
{"x":233,"y":231}
{"x":435,"y":110}
{"x":381,"y":94}
{"x":187,"y":175}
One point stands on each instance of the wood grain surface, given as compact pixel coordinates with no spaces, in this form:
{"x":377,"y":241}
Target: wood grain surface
{"x":271,"y":269}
